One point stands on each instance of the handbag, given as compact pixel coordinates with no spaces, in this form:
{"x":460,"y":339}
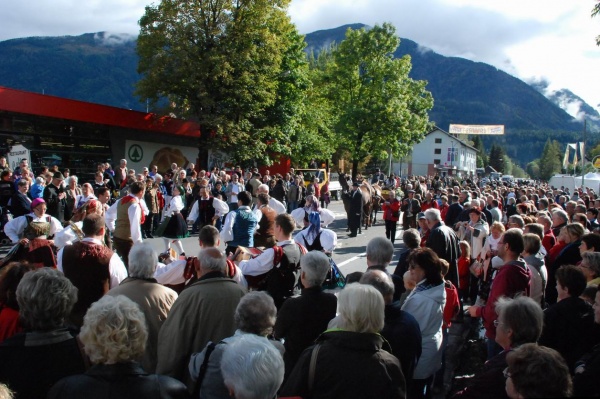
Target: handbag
{"x":160,"y":230}
{"x":335,"y":278}
{"x":476,"y":268}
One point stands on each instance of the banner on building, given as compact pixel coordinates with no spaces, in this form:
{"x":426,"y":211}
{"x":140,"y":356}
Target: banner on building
{"x":477,"y":129}
{"x":142,"y":154}
{"x":16,"y":153}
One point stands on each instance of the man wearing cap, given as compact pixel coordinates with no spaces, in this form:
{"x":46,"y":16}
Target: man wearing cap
{"x":355,"y":211}
{"x":55,"y":197}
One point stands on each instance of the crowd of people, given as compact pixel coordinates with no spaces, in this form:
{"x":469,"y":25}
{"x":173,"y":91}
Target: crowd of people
{"x":88,"y":308}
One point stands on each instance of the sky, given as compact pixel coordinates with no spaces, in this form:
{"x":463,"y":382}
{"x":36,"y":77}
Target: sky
{"x":542,"y":40}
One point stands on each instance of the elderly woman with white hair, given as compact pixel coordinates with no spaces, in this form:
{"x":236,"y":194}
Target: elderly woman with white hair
{"x":254,"y":315}
{"x":34,"y":360}
{"x":252,"y":368}
{"x":350,"y":361}
{"x":114,"y":335}
{"x":154,"y":299}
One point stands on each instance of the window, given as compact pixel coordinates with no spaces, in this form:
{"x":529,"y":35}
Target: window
{"x":438,"y":141}
{"x":437,"y":151}
{"x":436,"y":161}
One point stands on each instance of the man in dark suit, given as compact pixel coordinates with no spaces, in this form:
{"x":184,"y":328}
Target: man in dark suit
{"x":454,"y":210}
{"x":20,"y":203}
{"x":55,"y":197}
{"x":355,"y":212}
{"x":444,"y":242}
{"x":410,"y":208}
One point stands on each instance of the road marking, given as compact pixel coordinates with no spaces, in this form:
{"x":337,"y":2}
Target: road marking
{"x":352,"y":259}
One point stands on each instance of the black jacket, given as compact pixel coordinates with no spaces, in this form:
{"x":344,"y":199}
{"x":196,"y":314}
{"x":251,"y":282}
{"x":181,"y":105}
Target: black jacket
{"x":568,"y":328}
{"x":402,"y":331}
{"x":568,"y":256}
{"x":349,"y":365}
{"x":55,"y":207}
{"x":585,"y":381}
{"x":444,"y":242}
{"x":116,"y":381}
{"x":20,"y":204}
{"x":301,"y":320}
{"x":452,"y":215}
{"x":30,"y":363}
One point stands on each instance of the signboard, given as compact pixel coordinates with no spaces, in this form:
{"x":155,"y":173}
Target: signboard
{"x":596,"y":162}
{"x":476,"y":129}
{"x":141,"y":154}
{"x":16,"y":153}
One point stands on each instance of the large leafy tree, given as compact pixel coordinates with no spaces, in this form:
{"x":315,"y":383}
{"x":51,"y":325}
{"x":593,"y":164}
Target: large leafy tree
{"x":237,"y":67}
{"x":377,"y":106}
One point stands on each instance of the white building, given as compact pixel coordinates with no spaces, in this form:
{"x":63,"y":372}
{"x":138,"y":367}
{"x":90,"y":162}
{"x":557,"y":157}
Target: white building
{"x":440,"y":153}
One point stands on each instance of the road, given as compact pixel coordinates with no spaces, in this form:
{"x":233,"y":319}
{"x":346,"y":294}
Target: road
{"x":349,"y":254}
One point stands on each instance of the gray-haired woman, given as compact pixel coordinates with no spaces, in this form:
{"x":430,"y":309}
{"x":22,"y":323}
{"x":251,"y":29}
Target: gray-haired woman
{"x":114,"y":335}
{"x":34,"y":360}
{"x":255,"y":314}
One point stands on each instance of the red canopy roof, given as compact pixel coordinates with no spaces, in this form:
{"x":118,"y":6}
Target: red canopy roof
{"x":24,"y":102}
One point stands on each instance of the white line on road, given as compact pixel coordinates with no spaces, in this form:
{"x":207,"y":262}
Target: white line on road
{"x":352,"y":259}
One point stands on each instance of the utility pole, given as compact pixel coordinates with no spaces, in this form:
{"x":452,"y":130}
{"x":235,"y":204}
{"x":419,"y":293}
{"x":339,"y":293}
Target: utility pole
{"x":583,"y":155}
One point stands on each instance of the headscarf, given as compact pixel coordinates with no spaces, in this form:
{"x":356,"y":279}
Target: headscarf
{"x":312,"y":204}
{"x":36,"y":202}
{"x":314,"y":227}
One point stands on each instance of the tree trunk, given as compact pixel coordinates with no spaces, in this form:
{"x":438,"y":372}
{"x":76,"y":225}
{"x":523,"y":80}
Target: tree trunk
{"x":203,"y":146}
{"x":354,"y":169}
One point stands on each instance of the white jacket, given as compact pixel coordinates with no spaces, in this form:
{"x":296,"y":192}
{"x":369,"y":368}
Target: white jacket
{"x":427,"y":307}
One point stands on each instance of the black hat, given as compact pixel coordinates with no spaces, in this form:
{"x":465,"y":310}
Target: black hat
{"x":421,"y":215}
{"x":411,"y":191}
{"x":58,"y":175}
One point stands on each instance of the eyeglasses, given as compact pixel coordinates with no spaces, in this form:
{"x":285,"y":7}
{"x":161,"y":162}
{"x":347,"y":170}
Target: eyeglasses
{"x":506,"y":373}
{"x":497,"y":323}
{"x":584,"y":266}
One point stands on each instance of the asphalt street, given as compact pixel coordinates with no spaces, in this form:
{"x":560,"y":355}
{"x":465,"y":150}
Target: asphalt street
{"x":349,"y":255}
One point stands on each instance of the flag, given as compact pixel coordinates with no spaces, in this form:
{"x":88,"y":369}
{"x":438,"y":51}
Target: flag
{"x":582,"y":150}
{"x":565,"y":162}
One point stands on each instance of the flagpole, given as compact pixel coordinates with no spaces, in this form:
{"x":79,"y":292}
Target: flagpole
{"x":583,"y":155}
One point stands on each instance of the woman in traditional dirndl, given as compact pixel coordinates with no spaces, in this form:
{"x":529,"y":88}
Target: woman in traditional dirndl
{"x":31,"y":235}
{"x":176,"y":227}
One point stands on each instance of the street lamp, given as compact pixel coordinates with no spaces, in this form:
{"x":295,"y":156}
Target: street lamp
{"x":452,"y":156}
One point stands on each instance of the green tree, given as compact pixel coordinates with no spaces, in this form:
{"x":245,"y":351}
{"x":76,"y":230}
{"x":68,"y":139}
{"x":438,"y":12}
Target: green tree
{"x":496,"y":158}
{"x":237,"y":67}
{"x":378,"y":108}
{"x":482,"y":160}
{"x":533,"y":169}
{"x":550,"y":161}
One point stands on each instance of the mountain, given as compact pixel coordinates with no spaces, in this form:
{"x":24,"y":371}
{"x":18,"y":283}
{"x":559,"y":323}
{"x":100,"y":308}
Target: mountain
{"x":94,"y":67}
{"x":467,"y":92}
{"x":102,"y":68}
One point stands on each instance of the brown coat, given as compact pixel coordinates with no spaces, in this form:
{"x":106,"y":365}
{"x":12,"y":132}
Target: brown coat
{"x":155,"y":301}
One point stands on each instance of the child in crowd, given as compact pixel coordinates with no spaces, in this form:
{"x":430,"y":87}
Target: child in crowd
{"x":464,"y":263}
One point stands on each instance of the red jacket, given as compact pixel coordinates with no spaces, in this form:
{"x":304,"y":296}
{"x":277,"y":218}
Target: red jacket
{"x":513,"y":278}
{"x":426,"y":205}
{"x":389,"y":208}
{"x":452,"y":306}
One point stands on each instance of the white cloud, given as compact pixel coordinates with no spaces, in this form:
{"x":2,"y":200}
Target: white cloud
{"x":554,"y":39}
